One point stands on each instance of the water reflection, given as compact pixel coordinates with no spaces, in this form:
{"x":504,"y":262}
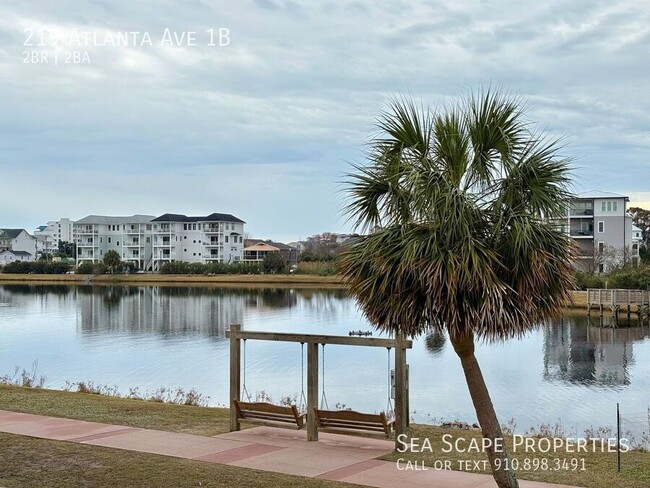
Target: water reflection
{"x":590,"y":351}
{"x":175,"y":336}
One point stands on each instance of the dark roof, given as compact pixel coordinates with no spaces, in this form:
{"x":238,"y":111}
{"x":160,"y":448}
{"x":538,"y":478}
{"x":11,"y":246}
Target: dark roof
{"x":22,"y":253}
{"x":10,"y":233}
{"x":213,"y":217}
{"x":17,"y":253}
{"x":279,"y":245}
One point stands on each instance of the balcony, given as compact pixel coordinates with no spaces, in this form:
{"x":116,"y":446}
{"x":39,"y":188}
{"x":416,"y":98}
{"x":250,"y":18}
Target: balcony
{"x":581,"y":212}
{"x":581,"y":233}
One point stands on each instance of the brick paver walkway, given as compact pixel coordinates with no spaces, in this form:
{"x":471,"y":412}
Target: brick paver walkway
{"x":333,"y":457}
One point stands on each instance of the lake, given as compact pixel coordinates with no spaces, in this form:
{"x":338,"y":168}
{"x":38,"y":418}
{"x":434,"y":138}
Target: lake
{"x":572,"y":372}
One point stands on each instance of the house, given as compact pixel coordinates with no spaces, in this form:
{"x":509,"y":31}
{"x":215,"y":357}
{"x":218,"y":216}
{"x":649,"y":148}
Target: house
{"x":206,"y":239}
{"x":8,"y":256}
{"x":255,"y":250}
{"x":17,"y":240}
{"x":130,"y":237}
{"x":599,"y":224}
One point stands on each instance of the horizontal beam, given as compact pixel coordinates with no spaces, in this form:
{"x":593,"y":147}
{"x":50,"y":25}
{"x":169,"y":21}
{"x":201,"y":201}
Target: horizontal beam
{"x":319,"y":339}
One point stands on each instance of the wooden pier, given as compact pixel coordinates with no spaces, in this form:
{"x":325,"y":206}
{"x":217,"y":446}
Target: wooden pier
{"x":618,"y":300}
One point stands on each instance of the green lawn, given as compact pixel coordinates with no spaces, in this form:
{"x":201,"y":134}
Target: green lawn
{"x":25,"y":461}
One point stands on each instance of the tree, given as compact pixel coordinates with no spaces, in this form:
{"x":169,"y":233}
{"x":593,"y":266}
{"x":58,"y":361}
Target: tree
{"x":112,"y":260}
{"x":67,"y":249}
{"x":641,"y":218}
{"x":273,"y":263}
{"x":459,"y":204}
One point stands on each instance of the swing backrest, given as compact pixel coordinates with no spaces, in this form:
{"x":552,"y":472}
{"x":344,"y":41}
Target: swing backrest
{"x":349,"y":420}
{"x":267,"y":413}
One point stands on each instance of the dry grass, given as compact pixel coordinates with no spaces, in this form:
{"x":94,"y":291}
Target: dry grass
{"x":111,"y":410}
{"x":600,"y":468}
{"x":174,"y":280}
{"x":28,"y":462}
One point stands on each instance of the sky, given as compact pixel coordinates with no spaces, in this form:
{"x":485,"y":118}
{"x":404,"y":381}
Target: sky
{"x":264,"y":121}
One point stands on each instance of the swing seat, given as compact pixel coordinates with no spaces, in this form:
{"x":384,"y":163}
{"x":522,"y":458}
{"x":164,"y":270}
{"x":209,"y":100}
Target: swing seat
{"x":351,"y":422}
{"x":269,"y":414}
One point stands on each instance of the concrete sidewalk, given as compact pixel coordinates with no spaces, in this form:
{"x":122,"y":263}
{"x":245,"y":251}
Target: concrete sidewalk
{"x":334,"y":457}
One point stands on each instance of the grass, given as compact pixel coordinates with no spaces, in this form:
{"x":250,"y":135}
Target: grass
{"x":28,"y":462}
{"x":110,"y":410}
{"x":175,"y":280}
{"x":600,"y":469}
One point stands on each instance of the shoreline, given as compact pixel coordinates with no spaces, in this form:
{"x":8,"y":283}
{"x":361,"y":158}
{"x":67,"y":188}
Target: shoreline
{"x":579,"y":297}
{"x":293,"y":281}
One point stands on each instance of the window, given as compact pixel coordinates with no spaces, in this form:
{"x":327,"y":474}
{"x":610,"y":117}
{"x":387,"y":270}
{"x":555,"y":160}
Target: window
{"x":193,"y":226}
{"x":148,"y":240}
{"x":184,"y":226}
{"x":601,"y":226}
{"x":601,"y":247}
{"x":194,"y":241}
{"x":614,"y":206}
{"x":136,"y":253}
{"x":193,"y":254}
{"x":117,"y":243}
{"x":609,"y":206}
{"x":601,"y":268}
{"x":199,"y":241}
{"x":109,"y":240}
{"x":184,"y":250}
{"x":226,"y":238}
{"x":603,"y":206}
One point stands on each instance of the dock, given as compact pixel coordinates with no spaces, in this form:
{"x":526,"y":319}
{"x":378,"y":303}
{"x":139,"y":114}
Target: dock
{"x":619,"y":300}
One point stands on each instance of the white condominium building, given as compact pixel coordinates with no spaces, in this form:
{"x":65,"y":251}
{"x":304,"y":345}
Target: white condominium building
{"x":150,"y":242}
{"x":130,"y":237}
{"x":212,"y":238}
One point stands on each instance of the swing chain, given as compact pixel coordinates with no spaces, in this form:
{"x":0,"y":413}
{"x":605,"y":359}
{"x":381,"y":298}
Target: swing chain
{"x":390,"y":411}
{"x":244,"y":389}
{"x":323,"y":399}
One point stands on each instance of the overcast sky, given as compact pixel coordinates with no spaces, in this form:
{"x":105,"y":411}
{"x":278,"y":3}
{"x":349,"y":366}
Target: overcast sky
{"x":264,"y":127}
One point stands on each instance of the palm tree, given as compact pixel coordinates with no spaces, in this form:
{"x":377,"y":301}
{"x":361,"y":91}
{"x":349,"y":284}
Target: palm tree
{"x":458,"y":204}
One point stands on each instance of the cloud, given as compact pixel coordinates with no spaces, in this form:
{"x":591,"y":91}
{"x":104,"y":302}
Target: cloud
{"x":264,"y":126}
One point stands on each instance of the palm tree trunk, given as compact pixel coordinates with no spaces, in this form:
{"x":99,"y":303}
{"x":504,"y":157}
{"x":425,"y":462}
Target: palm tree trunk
{"x":487,"y":417}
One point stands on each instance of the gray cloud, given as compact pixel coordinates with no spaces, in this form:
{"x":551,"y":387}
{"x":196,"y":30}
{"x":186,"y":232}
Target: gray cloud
{"x":263,"y":128}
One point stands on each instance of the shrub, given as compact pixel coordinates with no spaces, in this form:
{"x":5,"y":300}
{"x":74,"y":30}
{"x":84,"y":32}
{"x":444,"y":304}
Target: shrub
{"x":37,"y":267}
{"x":85,"y":268}
{"x":274,"y":263}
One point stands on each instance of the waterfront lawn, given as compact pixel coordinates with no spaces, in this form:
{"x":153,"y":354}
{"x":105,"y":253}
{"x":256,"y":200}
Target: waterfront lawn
{"x":28,"y":462}
{"x":112,"y":410}
{"x":600,"y":468}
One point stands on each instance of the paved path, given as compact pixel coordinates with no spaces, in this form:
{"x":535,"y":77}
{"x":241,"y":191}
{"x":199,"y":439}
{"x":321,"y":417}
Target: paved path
{"x":333,"y":457}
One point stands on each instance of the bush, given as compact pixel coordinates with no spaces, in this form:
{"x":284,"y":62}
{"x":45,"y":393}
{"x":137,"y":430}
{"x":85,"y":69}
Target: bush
{"x":626,"y":278}
{"x":85,"y":268}
{"x":37,"y":267}
{"x":274,"y":263}
{"x":175,"y":267}
{"x":180,"y":267}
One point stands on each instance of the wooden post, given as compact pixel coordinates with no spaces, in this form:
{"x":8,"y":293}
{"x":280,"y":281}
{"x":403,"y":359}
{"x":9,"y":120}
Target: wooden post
{"x":235,"y":374}
{"x":401,"y":413}
{"x":312,"y":390}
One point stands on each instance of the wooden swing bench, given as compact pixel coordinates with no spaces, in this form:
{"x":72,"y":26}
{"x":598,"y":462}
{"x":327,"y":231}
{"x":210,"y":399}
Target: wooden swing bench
{"x":269,"y":414}
{"x":351,"y":422}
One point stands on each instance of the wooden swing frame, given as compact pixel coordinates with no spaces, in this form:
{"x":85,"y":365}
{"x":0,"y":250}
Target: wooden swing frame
{"x":316,"y":417}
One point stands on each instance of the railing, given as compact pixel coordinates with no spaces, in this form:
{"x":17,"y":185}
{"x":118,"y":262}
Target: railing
{"x":615,"y":298}
{"x":581,"y":233}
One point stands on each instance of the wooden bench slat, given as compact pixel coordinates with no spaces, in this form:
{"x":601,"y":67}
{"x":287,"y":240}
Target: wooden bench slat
{"x":263,"y":412}
{"x":342,"y":420}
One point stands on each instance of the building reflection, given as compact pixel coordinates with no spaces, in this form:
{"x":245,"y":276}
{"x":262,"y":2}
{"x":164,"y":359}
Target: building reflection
{"x":590,"y":351}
